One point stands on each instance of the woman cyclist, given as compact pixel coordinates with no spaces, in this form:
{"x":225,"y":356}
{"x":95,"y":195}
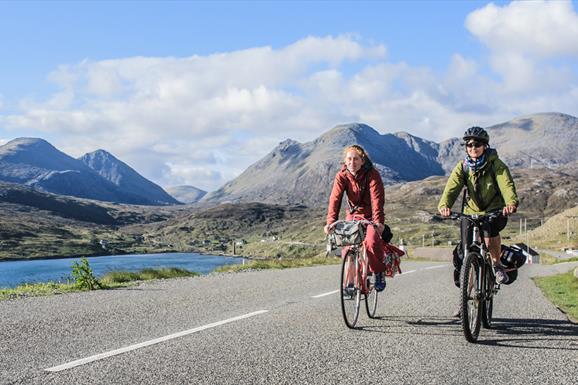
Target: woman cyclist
{"x":362,"y":184}
{"x":490,"y":187}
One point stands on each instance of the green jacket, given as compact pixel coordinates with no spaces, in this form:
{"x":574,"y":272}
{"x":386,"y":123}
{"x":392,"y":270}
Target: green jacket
{"x":493,"y":197}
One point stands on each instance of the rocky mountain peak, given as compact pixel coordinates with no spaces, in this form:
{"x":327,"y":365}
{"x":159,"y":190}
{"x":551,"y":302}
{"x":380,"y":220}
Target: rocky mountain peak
{"x":303,"y":172}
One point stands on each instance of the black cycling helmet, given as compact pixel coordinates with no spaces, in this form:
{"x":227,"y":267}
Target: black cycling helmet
{"x":477,"y":133}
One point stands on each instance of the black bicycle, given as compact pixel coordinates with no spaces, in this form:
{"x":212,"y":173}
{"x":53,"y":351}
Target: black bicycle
{"x":477,"y":277}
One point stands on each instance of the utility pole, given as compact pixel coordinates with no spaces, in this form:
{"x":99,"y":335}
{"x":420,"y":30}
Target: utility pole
{"x":432,"y":239}
{"x":527,"y":238}
{"x":568,"y":232}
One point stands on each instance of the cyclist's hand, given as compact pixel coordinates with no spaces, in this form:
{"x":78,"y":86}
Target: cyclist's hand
{"x":327,"y":229}
{"x":509,"y":210}
{"x":445,"y":211}
{"x":379,"y":228}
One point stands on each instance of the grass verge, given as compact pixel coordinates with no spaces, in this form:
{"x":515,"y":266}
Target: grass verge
{"x":110,"y":280}
{"x":116,"y":277}
{"x":280,"y":264}
{"x":562,"y":290}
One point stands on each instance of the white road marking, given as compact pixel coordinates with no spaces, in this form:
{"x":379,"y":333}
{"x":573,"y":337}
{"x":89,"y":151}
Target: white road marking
{"x":325,"y":294}
{"x":434,"y":267}
{"x":403,"y":273}
{"x":149,"y":343}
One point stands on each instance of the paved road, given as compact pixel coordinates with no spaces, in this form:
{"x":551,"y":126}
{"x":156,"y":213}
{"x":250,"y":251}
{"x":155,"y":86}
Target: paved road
{"x":290,"y":335}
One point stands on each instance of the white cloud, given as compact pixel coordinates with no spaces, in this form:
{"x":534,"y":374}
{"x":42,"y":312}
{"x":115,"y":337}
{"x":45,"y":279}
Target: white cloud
{"x":542,"y":28}
{"x":202,"y":120}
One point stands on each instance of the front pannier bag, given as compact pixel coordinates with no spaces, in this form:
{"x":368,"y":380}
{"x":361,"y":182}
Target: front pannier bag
{"x":348,"y":233}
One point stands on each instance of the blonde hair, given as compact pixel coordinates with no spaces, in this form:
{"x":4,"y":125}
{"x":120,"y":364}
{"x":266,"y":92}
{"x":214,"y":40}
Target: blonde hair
{"x":358,"y":149}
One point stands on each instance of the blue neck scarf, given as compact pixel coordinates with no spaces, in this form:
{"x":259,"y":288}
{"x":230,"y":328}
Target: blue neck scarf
{"x":476,"y":164}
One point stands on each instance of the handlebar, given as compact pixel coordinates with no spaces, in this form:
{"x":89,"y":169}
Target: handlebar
{"x":481,"y":217}
{"x":362,"y":221}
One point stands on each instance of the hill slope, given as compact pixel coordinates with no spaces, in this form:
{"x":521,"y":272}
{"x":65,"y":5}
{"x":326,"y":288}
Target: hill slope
{"x":302,"y":173}
{"x":36,"y":163}
{"x":186,"y":194}
{"x":128,"y":181}
{"x":296,"y":173}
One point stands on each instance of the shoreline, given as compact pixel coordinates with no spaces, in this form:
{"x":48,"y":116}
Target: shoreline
{"x":119,"y":254}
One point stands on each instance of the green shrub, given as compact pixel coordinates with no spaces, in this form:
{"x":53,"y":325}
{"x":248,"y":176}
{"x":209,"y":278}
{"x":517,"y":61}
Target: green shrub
{"x":83,"y":275}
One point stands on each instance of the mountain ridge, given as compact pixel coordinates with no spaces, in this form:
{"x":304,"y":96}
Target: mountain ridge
{"x":36,"y":163}
{"x":125,"y":178}
{"x":302,"y":173}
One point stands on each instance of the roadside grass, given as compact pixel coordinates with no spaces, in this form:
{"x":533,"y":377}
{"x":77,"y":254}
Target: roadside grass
{"x":116,"y":277}
{"x":111,"y":280}
{"x":280,"y":264}
{"x":37,"y":290}
{"x":562,"y":290}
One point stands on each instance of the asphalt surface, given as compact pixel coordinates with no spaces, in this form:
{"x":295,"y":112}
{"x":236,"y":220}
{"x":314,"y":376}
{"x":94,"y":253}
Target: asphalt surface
{"x":297,"y":339}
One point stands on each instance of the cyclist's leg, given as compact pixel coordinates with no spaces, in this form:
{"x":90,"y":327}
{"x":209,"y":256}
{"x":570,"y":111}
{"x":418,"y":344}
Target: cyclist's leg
{"x":374,"y":249}
{"x":491,"y":231}
{"x":492,"y":237}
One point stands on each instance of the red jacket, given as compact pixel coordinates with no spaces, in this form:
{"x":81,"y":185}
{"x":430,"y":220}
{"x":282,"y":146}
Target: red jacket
{"x":364,"y":190}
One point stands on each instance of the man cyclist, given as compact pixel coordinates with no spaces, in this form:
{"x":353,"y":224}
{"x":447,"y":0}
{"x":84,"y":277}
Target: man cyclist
{"x":362,"y":184}
{"x":490,"y":187}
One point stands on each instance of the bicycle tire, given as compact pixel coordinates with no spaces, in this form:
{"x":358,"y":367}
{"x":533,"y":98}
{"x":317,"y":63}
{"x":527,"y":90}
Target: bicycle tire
{"x":371,"y":297}
{"x":488,"y":303}
{"x":470,"y":297}
{"x":350,"y":301}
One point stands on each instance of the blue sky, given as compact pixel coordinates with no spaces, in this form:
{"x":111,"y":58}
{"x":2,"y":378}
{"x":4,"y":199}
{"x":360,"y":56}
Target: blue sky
{"x":194,"y":92}
{"x":38,"y":36}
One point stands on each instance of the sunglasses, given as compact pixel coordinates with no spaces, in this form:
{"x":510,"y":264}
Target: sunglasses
{"x":474,"y":144}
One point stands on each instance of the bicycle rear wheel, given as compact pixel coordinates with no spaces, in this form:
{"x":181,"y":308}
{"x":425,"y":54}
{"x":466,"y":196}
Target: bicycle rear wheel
{"x":371,"y":296}
{"x":470,"y":297}
{"x":488,"y":303}
{"x":350,"y":288}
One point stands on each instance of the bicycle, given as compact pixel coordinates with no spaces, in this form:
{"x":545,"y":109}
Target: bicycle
{"x":355,"y":277}
{"x":477,"y":277}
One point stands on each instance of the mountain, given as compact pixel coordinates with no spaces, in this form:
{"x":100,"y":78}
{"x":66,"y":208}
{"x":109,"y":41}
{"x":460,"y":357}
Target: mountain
{"x":36,"y":163}
{"x":125,"y":178}
{"x":186,"y":194}
{"x":295,"y":173}
{"x":544,"y":139}
{"x":302,"y":173}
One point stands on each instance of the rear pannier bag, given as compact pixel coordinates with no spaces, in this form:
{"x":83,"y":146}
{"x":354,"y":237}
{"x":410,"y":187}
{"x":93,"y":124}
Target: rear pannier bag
{"x":512,"y":258}
{"x":458,"y":252}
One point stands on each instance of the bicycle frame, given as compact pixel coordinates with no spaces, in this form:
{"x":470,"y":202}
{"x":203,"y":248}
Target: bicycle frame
{"x":361,"y":261}
{"x":477,"y":270}
{"x":354,"y":281}
{"x":361,"y":264}
{"x":478,"y":245}
{"x":485,"y":265}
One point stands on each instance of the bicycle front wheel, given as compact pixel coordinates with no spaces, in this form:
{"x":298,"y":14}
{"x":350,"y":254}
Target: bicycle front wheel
{"x":488,"y":304}
{"x":371,"y":296}
{"x":350,"y":287}
{"x":470,"y":297}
